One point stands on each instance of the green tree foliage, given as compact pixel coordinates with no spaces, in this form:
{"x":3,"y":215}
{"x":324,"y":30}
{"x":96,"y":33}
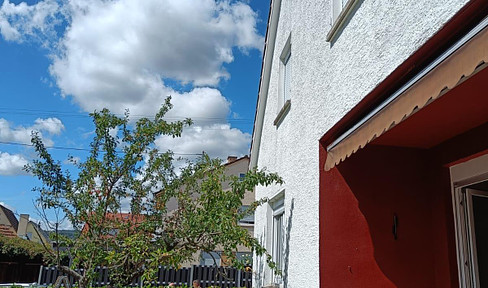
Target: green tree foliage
{"x":124,"y":165}
{"x":14,"y":247}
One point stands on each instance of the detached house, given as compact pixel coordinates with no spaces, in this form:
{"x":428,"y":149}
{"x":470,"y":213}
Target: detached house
{"x":375,"y":113}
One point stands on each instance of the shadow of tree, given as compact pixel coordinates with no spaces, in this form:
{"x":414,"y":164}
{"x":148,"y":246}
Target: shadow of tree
{"x":287,"y":243}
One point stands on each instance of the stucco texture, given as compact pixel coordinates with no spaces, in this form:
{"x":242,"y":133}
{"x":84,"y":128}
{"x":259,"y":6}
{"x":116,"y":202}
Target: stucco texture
{"x":328,"y":79}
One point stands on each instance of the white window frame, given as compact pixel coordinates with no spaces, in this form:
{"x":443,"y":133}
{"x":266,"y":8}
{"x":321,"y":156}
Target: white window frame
{"x":285,"y":74}
{"x":463,"y":175}
{"x":285,"y":79}
{"x":278,"y":236}
{"x":340,"y":10}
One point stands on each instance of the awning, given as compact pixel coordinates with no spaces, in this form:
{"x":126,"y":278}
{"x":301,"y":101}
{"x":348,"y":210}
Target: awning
{"x":463,"y":63}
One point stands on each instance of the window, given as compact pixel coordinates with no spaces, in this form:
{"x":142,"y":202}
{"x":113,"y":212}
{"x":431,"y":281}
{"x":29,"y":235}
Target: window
{"x":245,"y":257}
{"x":285,"y":73}
{"x":472,"y":212}
{"x":340,"y":12}
{"x":248,"y":219}
{"x":337,"y":7}
{"x":210,"y":259}
{"x":278,"y":234}
{"x":286,"y":76}
{"x":284,"y":90}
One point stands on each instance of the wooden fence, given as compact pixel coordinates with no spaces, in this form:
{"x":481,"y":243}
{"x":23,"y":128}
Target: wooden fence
{"x":224,"y":277}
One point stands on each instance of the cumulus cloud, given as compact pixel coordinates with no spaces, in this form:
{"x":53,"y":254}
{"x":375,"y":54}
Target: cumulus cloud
{"x":12,"y":164}
{"x":21,"y":134}
{"x":128,"y":54}
{"x":116,"y":54}
{"x":53,"y":126}
{"x":18,"y":21}
{"x":217,"y":140}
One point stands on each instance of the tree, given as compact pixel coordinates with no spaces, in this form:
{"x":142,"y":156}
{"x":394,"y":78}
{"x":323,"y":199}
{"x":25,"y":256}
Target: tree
{"x":124,"y":166}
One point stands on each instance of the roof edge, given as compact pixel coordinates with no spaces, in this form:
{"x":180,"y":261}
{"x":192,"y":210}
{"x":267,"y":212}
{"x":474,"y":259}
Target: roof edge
{"x":268,"y":52}
{"x":470,"y":15}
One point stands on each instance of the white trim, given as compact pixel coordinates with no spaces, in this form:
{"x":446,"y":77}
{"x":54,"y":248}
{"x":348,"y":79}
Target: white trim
{"x":264,"y":86}
{"x":339,"y":21}
{"x":462,"y":175}
{"x":482,"y":25}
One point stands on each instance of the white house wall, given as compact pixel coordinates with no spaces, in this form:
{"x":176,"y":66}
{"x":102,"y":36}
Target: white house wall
{"x":328,"y":79}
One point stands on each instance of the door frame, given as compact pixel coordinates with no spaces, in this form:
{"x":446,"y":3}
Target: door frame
{"x":463,"y":175}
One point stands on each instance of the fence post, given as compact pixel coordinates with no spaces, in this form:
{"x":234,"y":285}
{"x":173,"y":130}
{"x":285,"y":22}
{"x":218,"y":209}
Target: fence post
{"x":239,"y":275}
{"x":191,"y":276}
{"x":40,"y":276}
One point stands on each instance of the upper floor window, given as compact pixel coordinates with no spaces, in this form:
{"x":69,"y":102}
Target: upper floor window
{"x":249,"y":218}
{"x":284,"y":90}
{"x":340,"y":12}
{"x":285,"y":73}
{"x":286,"y":76}
{"x":337,"y":7}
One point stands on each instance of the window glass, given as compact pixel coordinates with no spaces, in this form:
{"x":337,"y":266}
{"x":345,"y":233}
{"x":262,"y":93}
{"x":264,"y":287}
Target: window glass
{"x":208,"y":260}
{"x":286,"y":77}
{"x":248,"y":219}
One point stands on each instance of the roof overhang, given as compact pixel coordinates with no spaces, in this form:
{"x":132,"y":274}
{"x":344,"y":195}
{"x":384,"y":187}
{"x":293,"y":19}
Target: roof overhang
{"x":457,"y":64}
{"x":269,"y":45}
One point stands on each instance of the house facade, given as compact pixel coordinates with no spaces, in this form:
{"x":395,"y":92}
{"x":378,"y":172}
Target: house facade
{"x":374,"y":113}
{"x":233,"y":167}
{"x":31,"y":231}
{"x":8,"y":222}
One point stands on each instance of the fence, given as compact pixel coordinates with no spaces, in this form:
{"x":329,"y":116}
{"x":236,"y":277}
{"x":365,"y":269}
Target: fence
{"x":224,"y":277}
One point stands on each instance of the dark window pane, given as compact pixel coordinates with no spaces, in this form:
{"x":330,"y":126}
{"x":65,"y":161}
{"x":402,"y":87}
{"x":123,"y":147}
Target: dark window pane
{"x":480,"y":211}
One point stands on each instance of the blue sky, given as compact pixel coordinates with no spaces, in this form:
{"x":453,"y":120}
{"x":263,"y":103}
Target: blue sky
{"x":61,"y":59}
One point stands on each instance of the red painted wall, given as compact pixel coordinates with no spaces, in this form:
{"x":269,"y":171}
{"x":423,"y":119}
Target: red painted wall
{"x":358,"y":201}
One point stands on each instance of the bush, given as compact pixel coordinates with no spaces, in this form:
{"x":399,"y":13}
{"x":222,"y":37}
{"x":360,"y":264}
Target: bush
{"x":18,"y":247}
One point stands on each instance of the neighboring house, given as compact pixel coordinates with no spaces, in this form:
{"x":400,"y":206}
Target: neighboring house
{"x":8,"y":222}
{"x":26,"y":229}
{"x":33,"y":232}
{"x":375,"y":115}
{"x":237,"y":167}
{"x":134,"y":219}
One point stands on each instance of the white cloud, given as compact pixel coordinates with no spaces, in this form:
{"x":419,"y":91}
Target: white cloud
{"x":116,"y":54}
{"x":217,"y":140}
{"x":53,"y":126}
{"x":18,"y":21}
{"x":127,"y":54}
{"x":21,"y":134}
{"x":12,"y":164}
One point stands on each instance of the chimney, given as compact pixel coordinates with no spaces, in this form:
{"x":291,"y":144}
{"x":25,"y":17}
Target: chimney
{"x":22,"y":229}
{"x":231,"y":159}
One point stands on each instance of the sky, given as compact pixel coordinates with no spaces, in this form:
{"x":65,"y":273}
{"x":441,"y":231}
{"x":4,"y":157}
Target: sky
{"x":62,"y":59}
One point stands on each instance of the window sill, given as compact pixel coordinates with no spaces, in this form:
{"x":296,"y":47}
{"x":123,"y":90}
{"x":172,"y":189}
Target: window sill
{"x":282,"y":114}
{"x":341,"y":19}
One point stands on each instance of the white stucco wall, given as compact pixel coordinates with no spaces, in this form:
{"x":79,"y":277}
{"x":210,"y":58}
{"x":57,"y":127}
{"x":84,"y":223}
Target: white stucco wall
{"x":328,"y":80}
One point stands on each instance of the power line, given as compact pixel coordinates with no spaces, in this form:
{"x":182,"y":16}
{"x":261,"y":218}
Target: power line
{"x":83,"y":149}
{"x":19,"y":111}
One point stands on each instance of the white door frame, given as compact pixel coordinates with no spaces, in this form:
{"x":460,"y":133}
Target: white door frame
{"x":463,"y":175}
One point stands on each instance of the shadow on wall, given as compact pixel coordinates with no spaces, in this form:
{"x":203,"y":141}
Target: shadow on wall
{"x":259,"y":264}
{"x":393,"y":184}
{"x":287,"y":244}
